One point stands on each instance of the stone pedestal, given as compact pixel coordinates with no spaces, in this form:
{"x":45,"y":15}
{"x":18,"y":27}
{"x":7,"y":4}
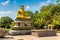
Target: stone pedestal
{"x":22,"y":26}
{"x":43,"y":33}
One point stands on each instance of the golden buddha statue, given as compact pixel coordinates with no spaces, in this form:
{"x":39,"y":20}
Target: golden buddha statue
{"x":22,"y":14}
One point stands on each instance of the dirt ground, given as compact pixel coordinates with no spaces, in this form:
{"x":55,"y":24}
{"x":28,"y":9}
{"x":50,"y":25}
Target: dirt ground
{"x":30,"y":37}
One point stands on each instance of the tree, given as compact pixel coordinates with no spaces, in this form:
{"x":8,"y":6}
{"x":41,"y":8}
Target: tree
{"x":46,"y":8}
{"x":46,"y":13}
{"x":51,"y":14}
{"x":29,"y":13}
{"x":37,"y":20}
{"x":55,"y":12}
{"x":56,"y":20}
{"x":43,"y":18}
{"x":6,"y":22}
{"x":57,"y":1}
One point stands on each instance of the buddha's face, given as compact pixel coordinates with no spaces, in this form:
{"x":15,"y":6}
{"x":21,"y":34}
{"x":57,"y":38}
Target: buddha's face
{"x":22,"y":7}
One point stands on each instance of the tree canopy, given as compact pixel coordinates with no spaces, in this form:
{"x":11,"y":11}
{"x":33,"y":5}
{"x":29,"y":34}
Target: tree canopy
{"x":5,"y":22}
{"x":49,"y":14}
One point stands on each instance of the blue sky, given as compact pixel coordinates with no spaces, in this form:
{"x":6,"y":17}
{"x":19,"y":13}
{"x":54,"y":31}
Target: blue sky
{"x":10,"y":7}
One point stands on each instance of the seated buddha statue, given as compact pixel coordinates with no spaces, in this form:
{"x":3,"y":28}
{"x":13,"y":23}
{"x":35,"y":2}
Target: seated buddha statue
{"x":22,"y":13}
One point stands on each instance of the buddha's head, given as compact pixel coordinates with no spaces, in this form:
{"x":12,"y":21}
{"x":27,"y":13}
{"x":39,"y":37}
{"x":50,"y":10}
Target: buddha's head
{"x":22,"y":7}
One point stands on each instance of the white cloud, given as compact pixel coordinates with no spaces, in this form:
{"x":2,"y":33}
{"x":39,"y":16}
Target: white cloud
{"x":28,"y":7}
{"x":45,"y":3}
{"x":48,"y":1}
{"x":6,"y":12}
{"x":11,"y":14}
{"x":5,"y":3}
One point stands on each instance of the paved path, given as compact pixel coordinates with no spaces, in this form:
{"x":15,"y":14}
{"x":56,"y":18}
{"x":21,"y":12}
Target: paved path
{"x":30,"y":37}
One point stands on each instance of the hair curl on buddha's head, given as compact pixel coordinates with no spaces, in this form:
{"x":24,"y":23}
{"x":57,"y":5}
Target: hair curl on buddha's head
{"x":22,"y":6}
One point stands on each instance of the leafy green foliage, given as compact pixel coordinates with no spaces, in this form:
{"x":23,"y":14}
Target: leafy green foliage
{"x":37,"y":20}
{"x":29,"y":13}
{"x":49,"y":14}
{"x":57,"y":1}
{"x":5,"y":22}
